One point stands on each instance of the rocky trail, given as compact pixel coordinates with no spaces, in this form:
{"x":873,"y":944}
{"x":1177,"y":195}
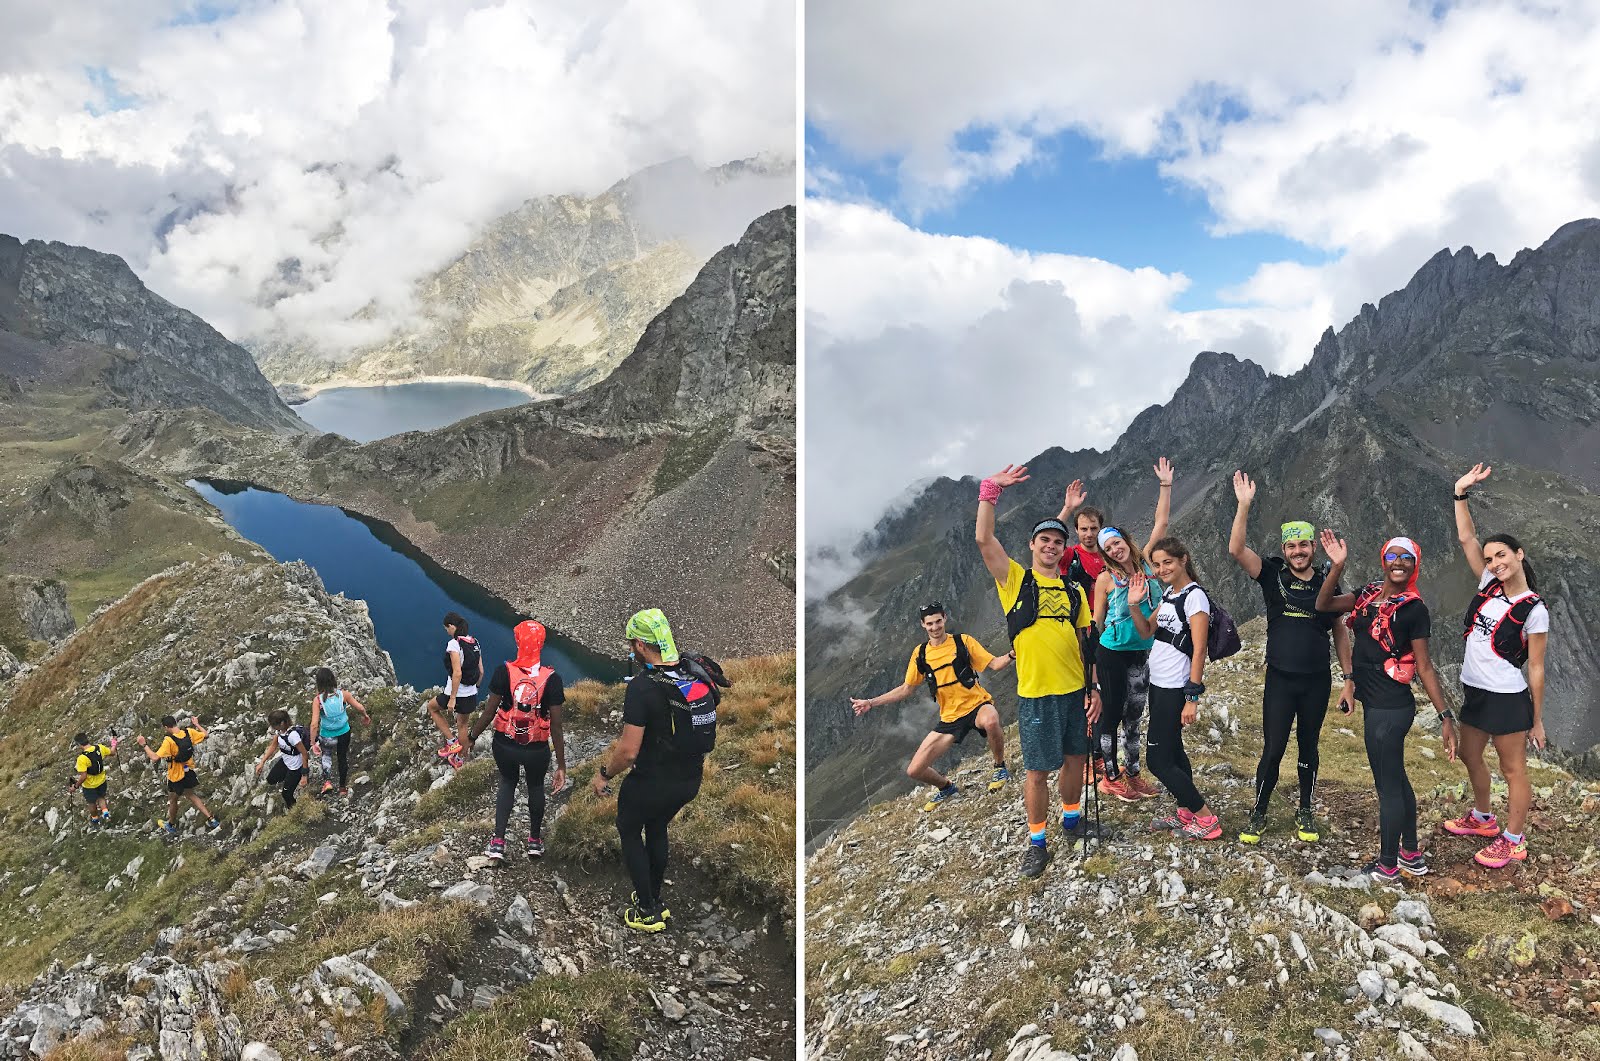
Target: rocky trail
{"x":922,"y":941}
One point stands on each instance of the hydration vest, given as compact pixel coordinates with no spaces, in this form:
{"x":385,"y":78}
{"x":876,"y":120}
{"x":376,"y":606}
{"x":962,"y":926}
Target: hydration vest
{"x":1222,"y":634}
{"x":471,"y":660}
{"x":97,"y":762}
{"x":523,"y":717}
{"x":1025,"y":612}
{"x":1509,"y":637}
{"x":185,"y":745}
{"x":692,"y":698}
{"x":287,"y":748}
{"x":961,"y":665}
{"x":1402,"y":663}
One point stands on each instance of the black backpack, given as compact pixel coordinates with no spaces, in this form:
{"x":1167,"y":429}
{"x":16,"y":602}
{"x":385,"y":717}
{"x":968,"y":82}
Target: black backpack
{"x":961,"y":665}
{"x":185,"y":745}
{"x":1025,"y":612}
{"x":97,"y":762}
{"x":471,"y":660}
{"x":1509,"y":638}
{"x":305,"y":741}
{"x":1222,"y":636}
{"x":692,"y":697}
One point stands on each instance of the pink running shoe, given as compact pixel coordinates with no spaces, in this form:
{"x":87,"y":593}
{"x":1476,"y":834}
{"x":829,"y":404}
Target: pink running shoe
{"x":1175,"y":822}
{"x":1467,"y":825}
{"x":1142,"y":786}
{"x":1118,"y":789}
{"x":1502,"y":852}
{"x":1198,"y":828}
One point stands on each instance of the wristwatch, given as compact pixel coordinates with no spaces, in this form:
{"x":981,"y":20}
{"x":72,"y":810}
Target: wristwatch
{"x":1447,"y":716}
{"x":1345,"y":676}
{"x":603,"y":775}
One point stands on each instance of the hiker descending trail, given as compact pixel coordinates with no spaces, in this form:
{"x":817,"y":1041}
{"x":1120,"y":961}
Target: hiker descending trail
{"x":330,"y":721}
{"x":292,"y":744}
{"x":1506,"y":628}
{"x":669,"y":726}
{"x":91,"y":780}
{"x":1050,"y":625}
{"x":524,"y":708}
{"x":963,"y":704}
{"x":1298,"y":681}
{"x":451,"y":709}
{"x":1391,"y":626}
{"x":1181,"y":630}
{"x":177,"y":749}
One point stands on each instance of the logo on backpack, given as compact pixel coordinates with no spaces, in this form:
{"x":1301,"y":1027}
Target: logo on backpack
{"x":1025,"y":610}
{"x":692,"y":699}
{"x":524,"y":717}
{"x":1508,"y":637}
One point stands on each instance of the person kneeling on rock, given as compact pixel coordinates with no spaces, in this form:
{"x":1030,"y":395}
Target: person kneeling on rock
{"x":669,"y":725}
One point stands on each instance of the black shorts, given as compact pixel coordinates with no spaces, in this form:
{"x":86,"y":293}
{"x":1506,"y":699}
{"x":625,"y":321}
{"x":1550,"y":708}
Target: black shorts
{"x":1497,"y":714}
{"x":92,"y":796}
{"x":963,"y":725}
{"x":179,"y":787}
{"x":465,"y":705}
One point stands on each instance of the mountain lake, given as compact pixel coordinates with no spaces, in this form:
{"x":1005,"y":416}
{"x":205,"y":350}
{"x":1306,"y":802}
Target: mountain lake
{"x":407,"y":594}
{"x":363,"y":414}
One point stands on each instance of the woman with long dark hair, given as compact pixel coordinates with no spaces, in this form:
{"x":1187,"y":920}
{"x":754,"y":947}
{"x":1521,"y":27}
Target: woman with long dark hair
{"x":1390,"y":626}
{"x":330,"y":727}
{"x":1506,"y":628}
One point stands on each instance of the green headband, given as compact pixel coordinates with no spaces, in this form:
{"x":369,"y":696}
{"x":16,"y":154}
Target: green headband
{"x":650,"y":626}
{"x":1299,"y":531}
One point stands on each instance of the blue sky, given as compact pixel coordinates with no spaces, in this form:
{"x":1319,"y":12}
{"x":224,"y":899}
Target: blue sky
{"x":1072,"y":198}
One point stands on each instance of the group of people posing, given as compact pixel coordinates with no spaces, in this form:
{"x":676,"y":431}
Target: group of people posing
{"x":1103,"y":630}
{"x":668,"y":728}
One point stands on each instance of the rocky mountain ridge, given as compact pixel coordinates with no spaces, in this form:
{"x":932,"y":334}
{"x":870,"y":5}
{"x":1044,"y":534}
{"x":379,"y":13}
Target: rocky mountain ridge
{"x":555,"y":293}
{"x":1470,"y":361}
{"x":76,"y":305}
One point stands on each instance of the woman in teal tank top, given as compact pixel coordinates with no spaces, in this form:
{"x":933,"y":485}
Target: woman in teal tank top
{"x":330,"y":722}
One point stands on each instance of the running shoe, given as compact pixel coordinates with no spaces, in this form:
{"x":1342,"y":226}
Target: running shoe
{"x":344,"y":793}
{"x":105,"y":816}
{"x":170,"y":828}
{"x":1142,"y":786}
{"x":999,"y":779}
{"x":1502,"y":851}
{"x":1413,"y":863}
{"x":1198,"y":828}
{"x":327,"y":786}
{"x":1305,"y":826}
{"x":535,"y":847}
{"x":1034,"y":862}
{"x":1467,"y":825}
{"x":1119,"y":789}
{"x":213,"y":825}
{"x":643,"y":920}
{"x":1384,"y":876}
{"x":453,"y":747}
{"x":666,"y":915}
{"x":496,"y":851}
{"x":1251,"y":833}
{"x":948,"y":792}
{"x":1173,"y":822}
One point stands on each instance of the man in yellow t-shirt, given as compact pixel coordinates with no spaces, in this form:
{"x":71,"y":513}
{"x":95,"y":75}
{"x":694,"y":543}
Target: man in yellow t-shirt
{"x":963,"y":707}
{"x":177,"y":748}
{"x":1049,"y":619}
{"x":91,"y":779}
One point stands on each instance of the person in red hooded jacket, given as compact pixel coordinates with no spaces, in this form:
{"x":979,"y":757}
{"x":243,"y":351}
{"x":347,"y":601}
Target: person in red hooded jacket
{"x":524,"y":709}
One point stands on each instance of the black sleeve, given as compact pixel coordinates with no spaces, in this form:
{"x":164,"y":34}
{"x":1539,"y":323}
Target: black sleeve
{"x":501,"y":682}
{"x":1413,"y":622}
{"x":1270,"y":566}
{"x":638,"y":702}
{"x":553,"y":692}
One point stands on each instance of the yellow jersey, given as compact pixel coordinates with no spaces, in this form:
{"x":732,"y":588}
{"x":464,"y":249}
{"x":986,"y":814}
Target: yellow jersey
{"x":955,"y":699}
{"x":1049,"y":662}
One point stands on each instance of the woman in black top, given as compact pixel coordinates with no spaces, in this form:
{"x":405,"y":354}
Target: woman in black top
{"x":524,"y":708}
{"x":1390,"y":624}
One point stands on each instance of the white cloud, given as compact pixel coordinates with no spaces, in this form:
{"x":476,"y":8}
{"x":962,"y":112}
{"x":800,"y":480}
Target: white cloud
{"x":355,"y":146}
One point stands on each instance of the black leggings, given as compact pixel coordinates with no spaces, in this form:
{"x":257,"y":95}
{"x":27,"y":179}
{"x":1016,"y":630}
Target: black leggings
{"x":341,"y":748}
{"x":645,"y":804}
{"x":1386,"y":730}
{"x":1124,"y":688}
{"x":291,"y":784}
{"x":1164,"y":748}
{"x":1300,"y":702}
{"x":513,"y":760}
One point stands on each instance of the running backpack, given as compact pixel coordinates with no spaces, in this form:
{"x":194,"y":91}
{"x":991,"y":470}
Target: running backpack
{"x":692,"y":697}
{"x":961,"y":665}
{"x":1508,"y":638}
{"x":1222,"y":636}
{"x":1025,"y":611}
{"x":97,"y":762}
{"x":184,"y":742}
{"x":471,"y":660}
{"x":523,"y":717}
{"x":1401,"y":665}
{"x":285,"y":748}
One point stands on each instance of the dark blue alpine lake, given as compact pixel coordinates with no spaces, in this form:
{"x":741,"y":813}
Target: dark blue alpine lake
{"x":363,"y":414}
{"x":406,"y":592}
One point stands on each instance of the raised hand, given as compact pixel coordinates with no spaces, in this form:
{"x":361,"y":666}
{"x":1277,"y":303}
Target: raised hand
{"x":1244,"y":488}
{"x":1334,"y":546}
{"x":1163,"y":470}
{"x":1138,"y":586}
{"x":1076,"y":494}
{"x":1011,"y":475}
{"x":1478,"y":474}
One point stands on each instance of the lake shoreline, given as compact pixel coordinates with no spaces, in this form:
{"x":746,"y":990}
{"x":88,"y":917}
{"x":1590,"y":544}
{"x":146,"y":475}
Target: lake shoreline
{"x":300,"y":393}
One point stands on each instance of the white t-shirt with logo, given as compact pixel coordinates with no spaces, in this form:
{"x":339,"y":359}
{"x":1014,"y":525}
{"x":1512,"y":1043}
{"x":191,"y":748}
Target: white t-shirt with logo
{"x":454,"y":648}
{"x":1169,"y":668}
{"x":1481,"y":668}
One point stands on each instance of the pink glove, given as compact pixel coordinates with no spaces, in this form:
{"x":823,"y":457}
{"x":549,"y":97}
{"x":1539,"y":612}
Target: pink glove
{"x":989,"y":491}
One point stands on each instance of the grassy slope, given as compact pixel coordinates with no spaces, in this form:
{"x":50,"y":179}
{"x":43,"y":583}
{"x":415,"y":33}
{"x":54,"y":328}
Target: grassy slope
{"x":1526,"y":1012}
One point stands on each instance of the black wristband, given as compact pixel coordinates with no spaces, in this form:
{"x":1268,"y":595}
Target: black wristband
{"x":1461,"y":497}
{"x":603,"y":775}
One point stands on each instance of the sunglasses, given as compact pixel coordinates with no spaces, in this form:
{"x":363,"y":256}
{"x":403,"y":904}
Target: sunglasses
{"x":931,"y":609}
{"x":1393,"y":555}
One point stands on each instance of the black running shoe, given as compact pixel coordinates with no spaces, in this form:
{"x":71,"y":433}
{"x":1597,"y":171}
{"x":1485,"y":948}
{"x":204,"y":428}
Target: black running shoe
{"x":1034,"y":862}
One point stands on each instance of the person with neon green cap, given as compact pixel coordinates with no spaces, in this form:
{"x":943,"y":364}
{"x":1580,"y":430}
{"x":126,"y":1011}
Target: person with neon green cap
{"x":669,"y":725}
{"x":1295,"y":695}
